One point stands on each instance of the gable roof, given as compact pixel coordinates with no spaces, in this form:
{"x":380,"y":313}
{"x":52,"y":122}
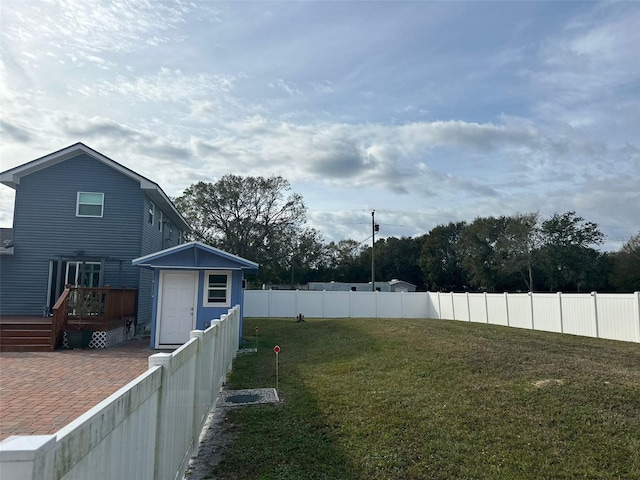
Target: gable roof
{"x":195,"y":255}
{"x":11,"y":177}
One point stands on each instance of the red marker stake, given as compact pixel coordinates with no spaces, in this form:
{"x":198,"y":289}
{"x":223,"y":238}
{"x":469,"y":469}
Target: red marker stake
{"x":277,"y":350}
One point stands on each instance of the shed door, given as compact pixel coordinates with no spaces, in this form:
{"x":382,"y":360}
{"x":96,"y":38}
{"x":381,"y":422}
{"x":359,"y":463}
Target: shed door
{"x":176,"y":316}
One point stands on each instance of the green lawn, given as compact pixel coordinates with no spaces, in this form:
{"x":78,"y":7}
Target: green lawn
{"x":400,"y":399}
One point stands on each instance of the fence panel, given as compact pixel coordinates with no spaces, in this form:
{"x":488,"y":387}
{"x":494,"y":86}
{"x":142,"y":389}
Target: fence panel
{"x":175,"y":424}
{"x":311,"y":304}
{"x":617,"y":317}
{"x":460,"y":306}
{"x":363,"y":304}
{"x":519,"y":310}
{"x":256,"y":303}
{"x":446,"y":306}
{"x":418,"y":305}
{"x":547,"y":312}
{"x":337,"y":304}
{"x":108,"y":441}
{"x":497,"y":309}
{"x":478,"y":307}
{"x":578,"y":314}
{"x":389,"y":304}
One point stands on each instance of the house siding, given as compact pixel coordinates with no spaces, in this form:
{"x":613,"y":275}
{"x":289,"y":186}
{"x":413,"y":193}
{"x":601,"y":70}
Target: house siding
{"x":46,"y":227}
{"x":153,"y":240}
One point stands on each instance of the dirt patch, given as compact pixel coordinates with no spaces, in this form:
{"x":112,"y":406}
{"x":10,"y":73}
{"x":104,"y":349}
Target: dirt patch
{"x":216,"y":434}
{"x":548,"y":382}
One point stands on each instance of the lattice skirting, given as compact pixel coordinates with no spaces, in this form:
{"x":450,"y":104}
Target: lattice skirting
{"x":108,"y":338}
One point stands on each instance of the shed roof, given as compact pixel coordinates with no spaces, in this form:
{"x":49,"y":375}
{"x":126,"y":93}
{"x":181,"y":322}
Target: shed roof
{"x":12,"y":177}
{"x":195,"y":255}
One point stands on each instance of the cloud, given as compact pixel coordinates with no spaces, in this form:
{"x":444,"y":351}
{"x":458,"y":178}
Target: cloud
{"x":289,"y":88}
{"x":92,"y":28}
{"x":165,"y":86}
{"x":16,"y":133}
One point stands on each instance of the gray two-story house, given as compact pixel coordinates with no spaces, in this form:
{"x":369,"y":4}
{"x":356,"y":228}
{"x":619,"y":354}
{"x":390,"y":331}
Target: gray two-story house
{"x":79,"y":219}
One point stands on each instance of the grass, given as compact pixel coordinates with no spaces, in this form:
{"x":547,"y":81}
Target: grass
{"x":401,"y":399}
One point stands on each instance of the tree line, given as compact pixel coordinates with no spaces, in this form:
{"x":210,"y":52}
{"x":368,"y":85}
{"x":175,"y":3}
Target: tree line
{"x":262,"y":220}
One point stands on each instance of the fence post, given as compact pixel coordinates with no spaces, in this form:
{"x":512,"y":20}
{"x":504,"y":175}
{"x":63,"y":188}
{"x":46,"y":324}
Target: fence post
{"x":533,"y":325}
{"x":161,"y":360}
{"x":197,"y":400}
{"x":439,"y":307}
{"x":453,"y":307}
{"x":595,"y":312}
{"x":28,"y":457}
{"x":486,"y":306}
{"x":637,"y":295}
{"x":402,"y":304}
{"x":560,"y":307}
{"x":506,"y":306}
{"x":269,"y":302}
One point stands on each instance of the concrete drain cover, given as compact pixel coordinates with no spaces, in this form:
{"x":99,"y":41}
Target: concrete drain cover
{"x":243,"y":399}
{"x":254,"y":396}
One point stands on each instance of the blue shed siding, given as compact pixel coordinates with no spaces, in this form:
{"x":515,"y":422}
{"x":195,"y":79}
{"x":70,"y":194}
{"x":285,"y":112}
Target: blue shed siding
{"x":206,"y":314}
{"x":46,"y":227}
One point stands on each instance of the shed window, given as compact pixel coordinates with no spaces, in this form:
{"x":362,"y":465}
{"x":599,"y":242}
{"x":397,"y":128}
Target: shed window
{"x":217,"y":288}
{"x":90,"y":204}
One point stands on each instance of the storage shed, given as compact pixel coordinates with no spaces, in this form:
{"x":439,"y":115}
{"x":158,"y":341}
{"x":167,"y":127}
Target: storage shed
{"x":193,"y":284}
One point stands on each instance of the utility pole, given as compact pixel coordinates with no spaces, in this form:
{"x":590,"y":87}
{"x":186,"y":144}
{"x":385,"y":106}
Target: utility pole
{"x":374,"y":228}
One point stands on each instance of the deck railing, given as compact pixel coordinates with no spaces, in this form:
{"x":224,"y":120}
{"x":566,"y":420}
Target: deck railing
{"x":108,"y":306}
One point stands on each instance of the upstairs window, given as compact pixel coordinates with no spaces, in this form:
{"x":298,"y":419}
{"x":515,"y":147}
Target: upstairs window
{"x":160,"y":219}
{"x":217,"y":288}
{"x":90,"y":204}
{"x":152,"y":212}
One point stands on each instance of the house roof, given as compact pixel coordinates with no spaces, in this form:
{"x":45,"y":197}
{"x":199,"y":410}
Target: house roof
{"x":12,"y":177}
{"x":195,"y":256}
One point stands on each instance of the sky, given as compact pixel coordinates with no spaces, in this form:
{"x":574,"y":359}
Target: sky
{"x":426,"y":112}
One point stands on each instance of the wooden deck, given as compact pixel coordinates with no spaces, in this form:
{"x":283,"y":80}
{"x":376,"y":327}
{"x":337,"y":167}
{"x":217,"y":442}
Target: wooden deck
{"x":112,"y":308}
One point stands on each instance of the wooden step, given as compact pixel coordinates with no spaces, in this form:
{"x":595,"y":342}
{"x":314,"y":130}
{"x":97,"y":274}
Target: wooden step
{"x":25,"y":334}
{"x":25,"y":348}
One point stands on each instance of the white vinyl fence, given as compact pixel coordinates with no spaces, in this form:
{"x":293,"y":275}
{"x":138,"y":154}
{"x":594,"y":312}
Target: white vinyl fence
{"x":146,"y":430}
{"x":611,"y":316}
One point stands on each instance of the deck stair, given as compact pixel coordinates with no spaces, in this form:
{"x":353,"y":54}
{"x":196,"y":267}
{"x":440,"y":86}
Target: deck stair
{"x":25,"y":334}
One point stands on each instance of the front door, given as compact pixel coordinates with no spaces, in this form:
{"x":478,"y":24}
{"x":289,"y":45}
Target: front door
{"x":176,"y":312}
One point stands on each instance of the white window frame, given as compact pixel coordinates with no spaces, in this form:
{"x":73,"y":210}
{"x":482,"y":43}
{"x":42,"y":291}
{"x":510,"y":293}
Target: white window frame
{"x":78,"y":203}
{"x":205,"y":286}
{"x":160,"y":219}
{"x":151,"y":213}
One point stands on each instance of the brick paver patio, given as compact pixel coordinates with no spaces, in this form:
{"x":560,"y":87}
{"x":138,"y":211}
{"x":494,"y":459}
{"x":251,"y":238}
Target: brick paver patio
{"x":40,"y":392}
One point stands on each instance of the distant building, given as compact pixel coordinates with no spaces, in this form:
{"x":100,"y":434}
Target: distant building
{"x":390,"y":286}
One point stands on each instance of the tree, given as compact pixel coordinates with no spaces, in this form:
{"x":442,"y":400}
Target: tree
{"x":439,"y":260}
{"x":626,"y":266}
{"x":479,"y":253}
{"x":565,"y":257}
{"x":398,"y":258}
{"x":518,"y":243}
{"x":253,"y":217}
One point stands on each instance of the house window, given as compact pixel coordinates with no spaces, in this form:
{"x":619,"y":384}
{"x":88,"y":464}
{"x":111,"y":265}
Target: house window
{"x":160,"y":221}
{"x":179,"y":237}
{"x":152,"y":212}
{"x":84,"y":274}
{"x":89,"y":204}
{"x":217,"y":288}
